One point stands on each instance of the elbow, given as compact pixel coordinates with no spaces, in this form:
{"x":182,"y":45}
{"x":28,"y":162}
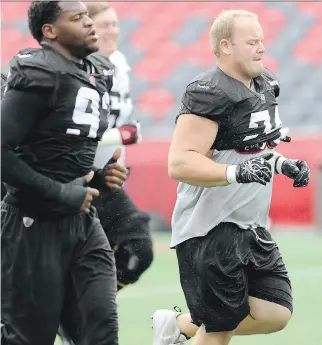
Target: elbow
{"x":173,"y":172}
{"x":176,"y":168}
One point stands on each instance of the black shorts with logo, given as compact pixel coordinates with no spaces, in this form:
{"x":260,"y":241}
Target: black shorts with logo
{"x":219,"y":271}
{"x":56,"y":271}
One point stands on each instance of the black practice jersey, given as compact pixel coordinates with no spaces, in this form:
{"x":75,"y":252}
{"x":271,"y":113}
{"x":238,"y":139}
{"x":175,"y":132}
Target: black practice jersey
{"x":247,"y":117}
{"x":62,"y":142}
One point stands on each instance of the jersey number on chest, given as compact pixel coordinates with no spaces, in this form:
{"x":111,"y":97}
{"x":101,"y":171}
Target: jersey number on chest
{"x":270,"y":119}
{"x":86,"y":114}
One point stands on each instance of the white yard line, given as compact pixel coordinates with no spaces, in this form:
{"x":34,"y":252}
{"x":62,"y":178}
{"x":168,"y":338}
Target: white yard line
{"x":169,"y":289}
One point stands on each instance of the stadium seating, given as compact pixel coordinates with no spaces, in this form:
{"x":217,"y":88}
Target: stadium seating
{"x":167,"y":44}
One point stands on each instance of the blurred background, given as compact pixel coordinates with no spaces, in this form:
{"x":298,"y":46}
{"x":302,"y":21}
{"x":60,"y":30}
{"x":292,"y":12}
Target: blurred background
{"x":166,"y":43}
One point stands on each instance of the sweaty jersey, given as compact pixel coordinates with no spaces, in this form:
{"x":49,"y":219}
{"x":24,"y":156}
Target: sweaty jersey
{"x":248,"y":121}
{"x":120,"y":102}
{"x":61,"y":144}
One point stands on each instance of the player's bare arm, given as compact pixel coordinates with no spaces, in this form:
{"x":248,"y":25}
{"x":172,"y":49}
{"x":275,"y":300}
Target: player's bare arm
{"x":188,"y":160}
{"x":189,"y":151}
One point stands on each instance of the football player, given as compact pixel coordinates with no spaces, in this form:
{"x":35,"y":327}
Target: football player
{"x":57,"y":264}
{"x":231,"y":270}
{"x":126,"y":227}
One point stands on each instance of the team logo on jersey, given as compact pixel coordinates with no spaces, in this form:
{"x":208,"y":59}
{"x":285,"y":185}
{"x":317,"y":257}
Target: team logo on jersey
{"x":206,"y":87}
{"x":23,"y":56}
{"x":92,"y":80}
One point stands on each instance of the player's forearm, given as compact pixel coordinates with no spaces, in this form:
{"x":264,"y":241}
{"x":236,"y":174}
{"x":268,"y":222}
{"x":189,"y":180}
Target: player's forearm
{"x":195,"y":169}
{"x":19,"y":113}
{"x":279,"y":159}
{"x":20,"y":175}
{"x":277,"y":154}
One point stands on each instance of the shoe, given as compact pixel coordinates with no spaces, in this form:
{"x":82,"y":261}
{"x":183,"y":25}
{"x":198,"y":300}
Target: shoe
{"x":64,"y":338}
{"x":165,"y":328}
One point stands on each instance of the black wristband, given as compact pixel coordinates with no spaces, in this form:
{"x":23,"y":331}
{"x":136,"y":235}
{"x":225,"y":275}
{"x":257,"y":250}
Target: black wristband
{"x":276,"y":160}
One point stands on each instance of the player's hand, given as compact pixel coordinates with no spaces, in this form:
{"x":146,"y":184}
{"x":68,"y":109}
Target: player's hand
{"x":76,"y":196}
{"x":90,"y":194}
{"x":131,"y":134}
{"x":256,"y":169}
{"x":297,"y":170}
{"x":115,"y":174}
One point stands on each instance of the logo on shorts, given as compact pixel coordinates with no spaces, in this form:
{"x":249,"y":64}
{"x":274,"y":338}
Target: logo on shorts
{"x":27,"y":222}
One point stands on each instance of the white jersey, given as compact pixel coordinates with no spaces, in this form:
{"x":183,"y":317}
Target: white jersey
{"x":121,"y":106}
{"x":121,"y":101}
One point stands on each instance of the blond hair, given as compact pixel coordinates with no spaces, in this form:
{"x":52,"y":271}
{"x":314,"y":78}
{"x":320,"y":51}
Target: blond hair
{"x":223,"y":27}
{"x":95,"y":8}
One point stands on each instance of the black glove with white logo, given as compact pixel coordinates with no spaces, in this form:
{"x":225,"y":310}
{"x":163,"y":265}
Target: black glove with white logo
{"x":256,"y":169}
{"x":297,"y":170}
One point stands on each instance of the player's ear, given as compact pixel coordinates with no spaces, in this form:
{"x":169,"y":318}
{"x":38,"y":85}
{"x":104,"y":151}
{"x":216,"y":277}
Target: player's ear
{"x":49,"y":31}
{"x":225,"y":47}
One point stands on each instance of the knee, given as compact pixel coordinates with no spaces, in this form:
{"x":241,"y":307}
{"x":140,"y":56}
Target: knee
{"x":133,"y":258}
{"x":275,"y":316}
{"x":222,"y":338}
{"x":282,"y":318}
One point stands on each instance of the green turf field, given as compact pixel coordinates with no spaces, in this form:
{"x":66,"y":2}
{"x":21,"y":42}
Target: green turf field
{"x":159,"y":288}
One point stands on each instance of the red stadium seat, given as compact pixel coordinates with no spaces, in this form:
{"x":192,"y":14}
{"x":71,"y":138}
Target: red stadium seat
{"x":8,"y":36}
{"x":156,"y":101}
{"x":137,"y":10}
{"x":271,"y":63}
{"x":158,"y":63}
{"x":13,"y":47}
{"x":311,"y":8}
{"x":309,"y":49}
{"x":212,"y":9}
{"x":158,"y":26}
{"x":9,"y":39}
{"x":199,"y":53}
{"x":160,"y":30}
{"x":272,"y":21}
{"x":12,"y":11}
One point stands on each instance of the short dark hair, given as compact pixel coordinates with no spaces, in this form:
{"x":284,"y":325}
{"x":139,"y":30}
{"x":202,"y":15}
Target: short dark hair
{"x":40,"y":13}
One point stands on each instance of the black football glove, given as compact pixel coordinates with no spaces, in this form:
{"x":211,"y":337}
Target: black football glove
{"x":256,"y":169}
{"x":297,"y":170}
